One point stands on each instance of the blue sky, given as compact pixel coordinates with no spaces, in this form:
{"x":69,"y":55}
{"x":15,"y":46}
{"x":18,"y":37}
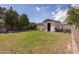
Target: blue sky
{"x":39,"y":12}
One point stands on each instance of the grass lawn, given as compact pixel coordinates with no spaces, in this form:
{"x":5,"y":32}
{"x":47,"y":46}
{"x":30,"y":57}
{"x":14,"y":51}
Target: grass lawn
{"x":34,"y":42}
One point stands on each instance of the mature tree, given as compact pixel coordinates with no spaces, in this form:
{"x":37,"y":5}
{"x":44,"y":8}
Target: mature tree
{"x":24,"y":21}
{"x":11,"y":18}
{"x":32,"y":26}
{"x":2,"y":12}
{"x":73,"y":17}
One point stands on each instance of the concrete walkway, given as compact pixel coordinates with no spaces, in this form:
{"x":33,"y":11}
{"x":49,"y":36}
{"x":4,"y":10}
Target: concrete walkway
{"x":75,"y":41}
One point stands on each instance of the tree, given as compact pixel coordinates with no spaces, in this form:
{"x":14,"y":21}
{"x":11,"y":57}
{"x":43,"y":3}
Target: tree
{"x":32,"y":26}
{"x":24,"y":21}
{"x":11,"y":18}
{"x":2,"y":12}
{"x":73,"y":17}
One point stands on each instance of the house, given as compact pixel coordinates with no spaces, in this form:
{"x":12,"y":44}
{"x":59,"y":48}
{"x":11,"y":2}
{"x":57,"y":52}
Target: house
{"x":2,"y":26}
{"x":49,"y":25}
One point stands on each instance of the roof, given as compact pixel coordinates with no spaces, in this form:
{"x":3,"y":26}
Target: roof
{"x":50,"y":20}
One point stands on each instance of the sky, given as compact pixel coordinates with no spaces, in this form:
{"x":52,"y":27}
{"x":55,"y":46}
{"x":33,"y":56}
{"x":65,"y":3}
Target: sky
{"x":39,"y":12}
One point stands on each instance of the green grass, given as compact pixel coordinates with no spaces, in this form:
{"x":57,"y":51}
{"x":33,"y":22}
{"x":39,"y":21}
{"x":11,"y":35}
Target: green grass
{"x":34,"y":42}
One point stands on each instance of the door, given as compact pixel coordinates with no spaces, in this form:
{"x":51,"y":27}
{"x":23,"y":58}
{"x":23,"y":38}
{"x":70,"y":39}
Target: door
{"x":48,"y":26}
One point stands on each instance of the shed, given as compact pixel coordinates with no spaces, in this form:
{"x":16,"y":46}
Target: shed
{"x":50,"y":25}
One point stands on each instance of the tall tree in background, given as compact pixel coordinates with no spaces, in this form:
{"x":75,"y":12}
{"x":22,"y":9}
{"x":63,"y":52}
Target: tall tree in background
{"x":24,"y":21}
{"x":11,"y":18}
{"x":2,"y":12}
{"x":73,"y":17}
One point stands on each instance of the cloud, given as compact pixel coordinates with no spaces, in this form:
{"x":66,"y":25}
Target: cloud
{"x":53,"y":13}
{"x":37,"y":8}
{"x":44,"y":7}
{"x":61,"y":15}
{"x":41,"y":8}
{"x":75,"y":5}
{"x":58,"y":9}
